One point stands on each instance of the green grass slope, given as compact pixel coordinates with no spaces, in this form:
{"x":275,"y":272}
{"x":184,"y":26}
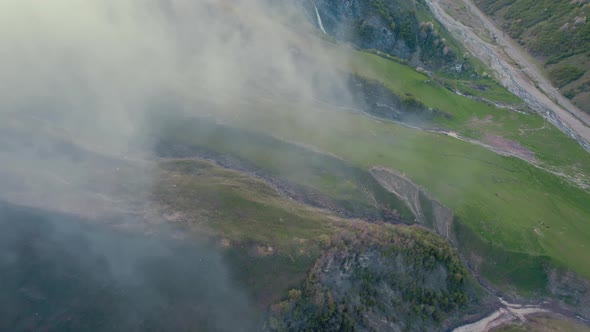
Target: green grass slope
{"x":271,"y":242}
{"x":475,"y":119}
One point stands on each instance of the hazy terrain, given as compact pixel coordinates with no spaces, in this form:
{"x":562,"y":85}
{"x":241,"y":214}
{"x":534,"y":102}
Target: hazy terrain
{"x":226,"y":165}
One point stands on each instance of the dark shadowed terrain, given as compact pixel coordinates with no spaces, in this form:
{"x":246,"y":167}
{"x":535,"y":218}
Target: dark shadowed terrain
{"x":59,"y":273}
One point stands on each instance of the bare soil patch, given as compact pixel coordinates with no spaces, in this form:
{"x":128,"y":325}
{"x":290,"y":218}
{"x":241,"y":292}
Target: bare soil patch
{"x":509,"y":146}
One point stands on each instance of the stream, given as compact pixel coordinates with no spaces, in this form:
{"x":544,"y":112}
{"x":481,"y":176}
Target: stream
{"x":515,"y":80}
{"x":320,"y":24}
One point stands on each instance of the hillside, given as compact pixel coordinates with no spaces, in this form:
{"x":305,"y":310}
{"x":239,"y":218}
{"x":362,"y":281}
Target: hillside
{"x":557,"y":34}
{"x":405,"y":29}
{"x":380,"y":278}
{"x":232,"y":248}
{"x":247,"y":165}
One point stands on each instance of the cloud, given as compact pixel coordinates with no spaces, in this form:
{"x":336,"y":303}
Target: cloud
{"x":80,"y":79}
{"x":81,"y":76}
{"x":93,"y":65}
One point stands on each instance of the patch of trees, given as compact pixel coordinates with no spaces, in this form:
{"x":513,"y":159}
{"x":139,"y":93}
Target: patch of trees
{"x":435,"y":50}
{"x":571,"y":93}
{"x":566,"y":74}
{"x":376,"y":289}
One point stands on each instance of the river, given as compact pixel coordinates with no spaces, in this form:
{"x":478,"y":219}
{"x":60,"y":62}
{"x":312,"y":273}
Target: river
{"x":529,"y":85}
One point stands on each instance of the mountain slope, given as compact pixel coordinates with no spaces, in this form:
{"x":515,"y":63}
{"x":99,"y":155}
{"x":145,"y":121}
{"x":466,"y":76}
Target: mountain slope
{"x":405,"y":29}
{"x":328,"y":182}
{"x":556,"y":33}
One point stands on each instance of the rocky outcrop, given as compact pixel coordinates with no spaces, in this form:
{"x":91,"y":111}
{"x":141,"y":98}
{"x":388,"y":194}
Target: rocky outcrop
{"x":425,"y":208}
{"x":387,"y":27}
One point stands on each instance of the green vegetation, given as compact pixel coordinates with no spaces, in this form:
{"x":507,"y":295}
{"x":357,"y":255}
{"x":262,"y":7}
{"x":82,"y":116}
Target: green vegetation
{"x":500,"y":199}
{"x":487,"y":89}
{"x":512,"y":270}
{"x":504,"y":201}
{"x":577,"y":90}
{"x":271,"y":241}
{"x":437,"y":38}
{"x":433,"y":285}
{"x":475,"y":119}
{"x":402,"y":80}
{"x":557,"y":26}
{"x":428,"y":209}
{"x":402,"y":20}
{"x":407,"y":29}
{"x":564,"y":75}
{"x":286,"y":172}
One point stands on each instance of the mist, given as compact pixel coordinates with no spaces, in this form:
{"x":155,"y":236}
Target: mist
{"x":82,"y":80}
{"x":95,"y":65}
{"x":87,"y":74}
{"x":61,"y":274}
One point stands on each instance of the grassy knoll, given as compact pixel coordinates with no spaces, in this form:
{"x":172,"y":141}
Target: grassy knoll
{"x":402,"y":79}
{"x":485,"y":88}
{"x":405,"y":278}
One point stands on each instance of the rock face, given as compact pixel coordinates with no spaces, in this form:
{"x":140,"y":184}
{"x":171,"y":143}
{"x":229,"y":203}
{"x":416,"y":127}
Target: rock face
{"x":387,"y":26}
{"x":427,"y":210}
{"x":377,"y":100}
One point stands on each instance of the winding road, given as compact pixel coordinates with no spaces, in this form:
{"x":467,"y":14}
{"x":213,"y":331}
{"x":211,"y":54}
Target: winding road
{"x":528,"y":83}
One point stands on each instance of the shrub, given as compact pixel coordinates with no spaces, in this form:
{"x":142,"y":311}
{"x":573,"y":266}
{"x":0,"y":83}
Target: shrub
{"x":566,"y":74}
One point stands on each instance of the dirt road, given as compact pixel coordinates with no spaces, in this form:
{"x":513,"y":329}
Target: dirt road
{"x":506,"y":59}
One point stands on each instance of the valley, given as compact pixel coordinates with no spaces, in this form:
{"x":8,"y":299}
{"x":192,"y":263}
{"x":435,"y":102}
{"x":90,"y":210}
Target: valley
{"x":284,"y":166}
{"x":515,"y":69}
